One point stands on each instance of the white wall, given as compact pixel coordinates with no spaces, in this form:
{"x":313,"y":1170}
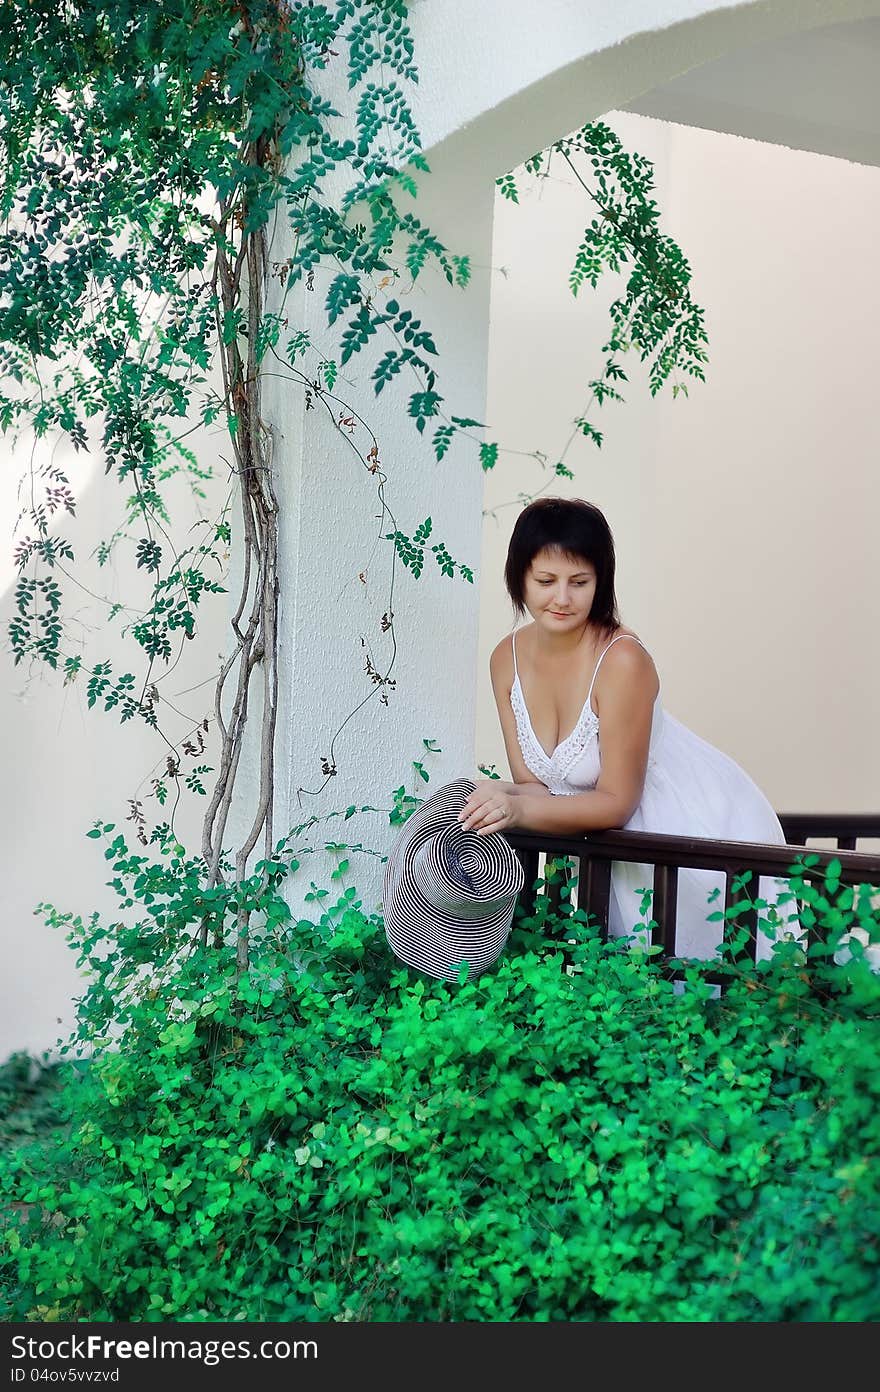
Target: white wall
{"x":504,"y":78}
{"x":65,"y":765}
{"x":744,"y":515}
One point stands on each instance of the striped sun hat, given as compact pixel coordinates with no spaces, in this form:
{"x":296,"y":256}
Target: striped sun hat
{"x":449,"y":894}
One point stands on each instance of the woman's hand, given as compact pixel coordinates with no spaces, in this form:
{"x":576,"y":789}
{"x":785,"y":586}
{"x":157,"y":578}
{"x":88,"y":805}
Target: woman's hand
{"x":490,"y":807}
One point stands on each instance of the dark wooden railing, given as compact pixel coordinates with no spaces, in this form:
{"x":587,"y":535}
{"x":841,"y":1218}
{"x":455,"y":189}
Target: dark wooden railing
{"x":595,"y":854}
{"x":845,"y":828}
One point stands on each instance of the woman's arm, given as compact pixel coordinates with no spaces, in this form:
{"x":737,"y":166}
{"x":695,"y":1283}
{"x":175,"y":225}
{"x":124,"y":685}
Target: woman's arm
{"x":624,"y":693}
{"x":498,"y":785}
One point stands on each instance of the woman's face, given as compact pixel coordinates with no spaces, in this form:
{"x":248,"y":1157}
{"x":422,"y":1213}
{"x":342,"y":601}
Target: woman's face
{"x":559,"y":590}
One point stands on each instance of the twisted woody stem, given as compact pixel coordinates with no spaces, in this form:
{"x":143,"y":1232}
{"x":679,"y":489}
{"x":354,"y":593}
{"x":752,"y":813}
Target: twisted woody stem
{"x":256,"y":633}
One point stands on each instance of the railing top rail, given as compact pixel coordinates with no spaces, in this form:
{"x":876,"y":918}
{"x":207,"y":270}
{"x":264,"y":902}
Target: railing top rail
{"x":698,"y":853}
{"x":831,"y":823}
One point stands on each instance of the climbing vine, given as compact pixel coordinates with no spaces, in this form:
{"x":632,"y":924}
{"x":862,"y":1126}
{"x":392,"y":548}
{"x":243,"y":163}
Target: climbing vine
{"x":655,"y":316}
{"x":150,"y":153}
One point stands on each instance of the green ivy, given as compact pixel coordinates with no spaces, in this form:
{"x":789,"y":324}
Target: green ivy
{"x":142,"y":145}
{"x":656,"y":315}
{"x":328,"y":1135}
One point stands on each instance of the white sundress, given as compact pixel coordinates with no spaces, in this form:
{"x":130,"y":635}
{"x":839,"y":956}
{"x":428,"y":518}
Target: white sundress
{"x":691,"y":789}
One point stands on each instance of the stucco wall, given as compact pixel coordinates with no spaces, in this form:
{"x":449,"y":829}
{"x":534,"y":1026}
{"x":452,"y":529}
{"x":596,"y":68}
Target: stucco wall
{"x":513,"y":75}
{"x":65,"y":765}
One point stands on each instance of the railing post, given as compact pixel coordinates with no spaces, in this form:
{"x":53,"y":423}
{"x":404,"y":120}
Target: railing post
{"x":664,"y":906}
{"x":594,"y":889}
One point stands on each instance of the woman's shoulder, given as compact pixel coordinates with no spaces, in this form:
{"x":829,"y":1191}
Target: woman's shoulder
{"x":612,"y":644}
{"x":501,"y":663}
{"x":627,"y":661}
{"x":502,"y":654}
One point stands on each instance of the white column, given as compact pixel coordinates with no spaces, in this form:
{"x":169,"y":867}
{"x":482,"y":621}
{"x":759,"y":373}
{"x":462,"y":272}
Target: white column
{"x":336,"y":566}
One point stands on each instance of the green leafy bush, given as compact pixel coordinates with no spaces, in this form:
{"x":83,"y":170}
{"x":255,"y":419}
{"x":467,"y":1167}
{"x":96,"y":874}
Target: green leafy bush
{"x":329,"y":1136}
{"x":29,"y":1098}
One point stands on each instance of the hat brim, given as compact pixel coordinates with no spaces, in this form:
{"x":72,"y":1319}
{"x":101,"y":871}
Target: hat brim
{"x":424,"y":934}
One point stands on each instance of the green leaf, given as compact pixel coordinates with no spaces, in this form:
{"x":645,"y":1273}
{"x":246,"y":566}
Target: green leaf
{"x":360,"y":330}
{"x":462,"y":267}
{"x":344,"y":290}
{"x":443,"y":436}
{"x":389,"y":366}
{"x":422,"y":405}
{"x":233,"y":323}
{"x":590,"y":432}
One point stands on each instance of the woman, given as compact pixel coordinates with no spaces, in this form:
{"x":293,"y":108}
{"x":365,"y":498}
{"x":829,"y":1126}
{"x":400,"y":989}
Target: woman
{"x":588,"y":743}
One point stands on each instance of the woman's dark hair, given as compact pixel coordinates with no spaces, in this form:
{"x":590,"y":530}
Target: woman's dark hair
{"x":580,"y":532}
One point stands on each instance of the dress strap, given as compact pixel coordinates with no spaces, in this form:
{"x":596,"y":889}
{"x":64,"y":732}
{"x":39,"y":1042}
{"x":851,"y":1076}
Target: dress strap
{"x":604,"y":651}
{"x":513,"y":645}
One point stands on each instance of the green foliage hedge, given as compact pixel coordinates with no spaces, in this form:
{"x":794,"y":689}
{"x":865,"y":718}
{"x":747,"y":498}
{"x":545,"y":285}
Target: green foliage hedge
{"x":333,"y":1137}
